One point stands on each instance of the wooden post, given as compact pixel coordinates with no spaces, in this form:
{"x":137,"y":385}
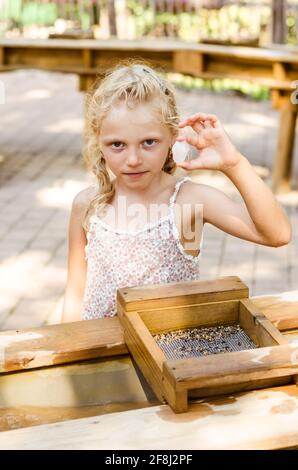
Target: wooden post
{"x":2,"y":60}
{"x":281,"y":171}
{"x":88,"y":63}
{"x":280,"y":74}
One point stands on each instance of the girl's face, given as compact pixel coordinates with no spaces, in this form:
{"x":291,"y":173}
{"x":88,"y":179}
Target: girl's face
{"x":134,"y":143}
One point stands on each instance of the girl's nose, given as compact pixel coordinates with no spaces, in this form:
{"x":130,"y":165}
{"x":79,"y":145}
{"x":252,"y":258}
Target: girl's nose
{"x":133,"y":157}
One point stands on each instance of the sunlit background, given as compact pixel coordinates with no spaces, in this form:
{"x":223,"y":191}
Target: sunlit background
{"x":41,"y":128}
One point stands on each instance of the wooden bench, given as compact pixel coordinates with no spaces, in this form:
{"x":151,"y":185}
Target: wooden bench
{"x":274,"y":68}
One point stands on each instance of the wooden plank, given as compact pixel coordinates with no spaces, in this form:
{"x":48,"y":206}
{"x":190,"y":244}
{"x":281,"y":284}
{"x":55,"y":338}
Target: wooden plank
{"x":217,"y":423}
{"x":247,"y":321}
{"x":176,"y":294}
{"x":190,"y":316}
{"x":145,"y":351}
{"x":232,"y":368}
{"x":58,"y":344}
{"x":247,"y":386}
{"x":268,"y":334}
{"x":188,"y":62}
{"x":53,"y":67}
{"x":269,"y":54}
{"x":82,"y":70}
{"x":257,"y":326}
{"x":283,"y":85}
{"x":281,"y":309}
{"x":202,"y":58}
{"x":291,"y":336}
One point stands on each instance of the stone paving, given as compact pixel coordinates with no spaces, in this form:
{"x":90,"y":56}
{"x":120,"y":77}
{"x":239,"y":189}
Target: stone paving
{"x":41,"y":171}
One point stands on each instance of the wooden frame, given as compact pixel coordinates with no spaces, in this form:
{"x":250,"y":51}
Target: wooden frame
{"x":175,"y":381}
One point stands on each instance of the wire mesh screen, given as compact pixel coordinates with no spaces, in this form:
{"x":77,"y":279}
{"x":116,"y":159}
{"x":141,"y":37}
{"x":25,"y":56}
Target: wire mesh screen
{"x":197,"y":342}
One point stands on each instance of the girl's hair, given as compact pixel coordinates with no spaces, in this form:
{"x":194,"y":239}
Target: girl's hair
{"x":134,"y":83}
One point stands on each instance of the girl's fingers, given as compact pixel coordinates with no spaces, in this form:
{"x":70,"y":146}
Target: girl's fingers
{"x":201,"y":118}
{"x":197,"y":116}
{"x":208,"y":124}
{"x":214,"y":120}
{"x":195,"y":141}
{"x":191,"y":165}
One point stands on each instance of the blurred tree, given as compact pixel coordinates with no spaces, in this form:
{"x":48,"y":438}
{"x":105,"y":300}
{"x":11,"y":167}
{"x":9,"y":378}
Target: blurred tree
{"x":278,"y":23}
{"x":112,"y":17}
{"x":212,"y":4}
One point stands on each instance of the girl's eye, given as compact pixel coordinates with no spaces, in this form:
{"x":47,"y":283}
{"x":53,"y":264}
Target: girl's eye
{"x":116,"y":144}
{"x":151,"y":142}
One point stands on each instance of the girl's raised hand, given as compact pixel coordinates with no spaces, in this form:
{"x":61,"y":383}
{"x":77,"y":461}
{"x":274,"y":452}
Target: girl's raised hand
{"x":216,"y":151}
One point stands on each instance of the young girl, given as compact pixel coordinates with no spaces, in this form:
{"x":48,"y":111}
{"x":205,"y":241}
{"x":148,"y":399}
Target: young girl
{"x":133,"y":125}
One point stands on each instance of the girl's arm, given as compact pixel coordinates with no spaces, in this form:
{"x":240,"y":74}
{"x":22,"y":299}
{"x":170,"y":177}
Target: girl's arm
{"x":77,"y":265}
{"x":259,"y":218}
{"x":241,"y":219}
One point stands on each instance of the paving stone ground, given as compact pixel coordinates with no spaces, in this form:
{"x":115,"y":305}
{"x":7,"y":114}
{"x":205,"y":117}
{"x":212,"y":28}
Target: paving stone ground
{"x":41,"y":170}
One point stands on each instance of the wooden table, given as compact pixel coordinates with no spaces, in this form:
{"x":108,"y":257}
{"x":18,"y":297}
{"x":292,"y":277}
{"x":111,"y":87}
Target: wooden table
{"x":277,"y":69}
{"x":261,"y":419}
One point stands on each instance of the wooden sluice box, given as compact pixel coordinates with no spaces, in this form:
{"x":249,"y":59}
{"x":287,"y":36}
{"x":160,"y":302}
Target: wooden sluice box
{"x":203,"y":338}
{"x":84,"y":369}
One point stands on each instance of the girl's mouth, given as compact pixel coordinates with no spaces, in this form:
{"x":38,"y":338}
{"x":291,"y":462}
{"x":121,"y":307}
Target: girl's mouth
{"x":135,"y":175}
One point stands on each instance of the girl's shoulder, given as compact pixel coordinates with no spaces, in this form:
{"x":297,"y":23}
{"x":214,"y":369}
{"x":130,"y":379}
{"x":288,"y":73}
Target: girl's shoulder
{"x":203,"y":192}
{"x":82,"y":201}
{"x":192,"y":191}
{"x":84,"y":197}
{"x":199,"y":196}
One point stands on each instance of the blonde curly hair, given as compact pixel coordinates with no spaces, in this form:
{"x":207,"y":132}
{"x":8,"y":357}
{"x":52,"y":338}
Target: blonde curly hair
{"x":134,"y":83}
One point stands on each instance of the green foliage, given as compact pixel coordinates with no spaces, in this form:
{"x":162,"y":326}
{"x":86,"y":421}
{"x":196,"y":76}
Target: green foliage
{"x":292,"y":32}
{"x":30,"y":12}
{"x":230,"y":22}
{"x":243,"y":87}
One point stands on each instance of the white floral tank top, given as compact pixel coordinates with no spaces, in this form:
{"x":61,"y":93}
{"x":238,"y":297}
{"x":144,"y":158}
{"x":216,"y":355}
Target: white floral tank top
{"x":118,"y":258}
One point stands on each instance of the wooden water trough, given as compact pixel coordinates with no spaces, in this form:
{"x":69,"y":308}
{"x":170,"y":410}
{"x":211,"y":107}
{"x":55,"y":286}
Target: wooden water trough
{"x":76,"y":385}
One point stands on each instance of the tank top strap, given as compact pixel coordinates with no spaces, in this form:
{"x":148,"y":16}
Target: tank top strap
{"x":176,"y":190}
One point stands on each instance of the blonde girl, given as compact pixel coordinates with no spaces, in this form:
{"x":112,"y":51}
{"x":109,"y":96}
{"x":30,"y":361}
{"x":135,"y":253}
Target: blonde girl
{"x":141,"y":224}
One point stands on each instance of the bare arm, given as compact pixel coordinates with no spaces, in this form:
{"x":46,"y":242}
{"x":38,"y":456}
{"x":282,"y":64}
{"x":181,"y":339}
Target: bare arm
{"x":77,"y":265}
{"x":259,"y":218}
{"x":267,"y":218}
